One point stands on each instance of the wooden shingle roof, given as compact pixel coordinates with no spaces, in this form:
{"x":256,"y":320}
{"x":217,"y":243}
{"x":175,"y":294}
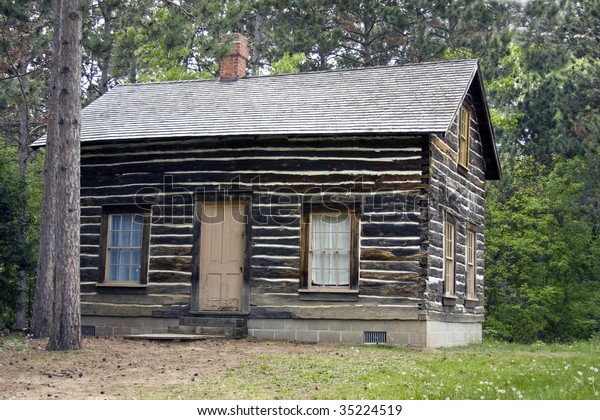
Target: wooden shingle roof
{"x":410,"y":99}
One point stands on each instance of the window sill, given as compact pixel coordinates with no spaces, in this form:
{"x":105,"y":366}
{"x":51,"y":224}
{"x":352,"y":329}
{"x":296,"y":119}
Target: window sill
{"x":462,"y":169}
{"x":120,"y":287}
{"x":449,"y":300}
{"x":471,"y":302}
{"x":328,"y":294}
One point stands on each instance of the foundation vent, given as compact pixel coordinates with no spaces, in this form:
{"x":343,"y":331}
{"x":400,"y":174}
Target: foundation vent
{"x":88,"y":330}
{"x":375,"y":337}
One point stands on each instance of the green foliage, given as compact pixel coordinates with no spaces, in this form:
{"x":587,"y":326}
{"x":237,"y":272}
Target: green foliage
{"x":288,"y":63}
{"x":542,"y":254}
{"x":14,"y":256}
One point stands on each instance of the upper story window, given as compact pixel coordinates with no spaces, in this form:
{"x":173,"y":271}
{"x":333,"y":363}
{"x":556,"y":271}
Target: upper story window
{"x":124,"y":246}
{"x":463,"y":137}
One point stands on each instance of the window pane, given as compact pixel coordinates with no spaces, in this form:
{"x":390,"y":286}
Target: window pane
{"x":115,"y":222}
{"x":124,"y":256}
{"x":134,"y":273}
{"x":124,"y":238}
{"x":122,"y":272}
{"x":127,"y":221}
{"x":136,"y":238}
{"x":112,"y":273}
{"x":330,"y":249}
{"x":136,"y":256}
{"x":138,"y":220}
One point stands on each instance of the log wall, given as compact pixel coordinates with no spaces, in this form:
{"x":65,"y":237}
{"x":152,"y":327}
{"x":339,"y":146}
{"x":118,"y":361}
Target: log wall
{"x":388,"y":175}
{"x":460,"y":195}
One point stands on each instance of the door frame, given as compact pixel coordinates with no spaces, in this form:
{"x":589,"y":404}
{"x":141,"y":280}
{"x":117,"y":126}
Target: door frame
{"x":224,"y":196}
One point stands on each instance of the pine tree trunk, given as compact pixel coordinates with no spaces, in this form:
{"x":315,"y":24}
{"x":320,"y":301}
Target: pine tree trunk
{"x":65,"y":333}
{"x":43,"y":301}
{"x":21,"y":309}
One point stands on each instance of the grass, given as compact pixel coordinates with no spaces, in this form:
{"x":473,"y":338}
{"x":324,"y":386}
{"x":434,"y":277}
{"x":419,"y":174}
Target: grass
{"x":485,"y":371}
{"x":13,"y":343}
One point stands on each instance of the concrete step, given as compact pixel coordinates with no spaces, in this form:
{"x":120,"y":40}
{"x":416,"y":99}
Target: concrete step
{"x":213,"y":321}
{"x":224,"y":327}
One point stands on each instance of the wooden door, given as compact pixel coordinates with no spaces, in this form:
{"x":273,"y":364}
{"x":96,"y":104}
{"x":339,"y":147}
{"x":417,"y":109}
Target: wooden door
{"x":222,"y":246}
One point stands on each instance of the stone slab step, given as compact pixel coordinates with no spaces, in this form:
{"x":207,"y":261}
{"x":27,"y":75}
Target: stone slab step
{"x":172,"y":337}
{"x":237,"y":332}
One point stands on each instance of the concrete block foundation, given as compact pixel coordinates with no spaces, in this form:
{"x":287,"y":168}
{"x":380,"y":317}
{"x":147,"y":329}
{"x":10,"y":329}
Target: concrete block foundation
{"x":416,"y":333}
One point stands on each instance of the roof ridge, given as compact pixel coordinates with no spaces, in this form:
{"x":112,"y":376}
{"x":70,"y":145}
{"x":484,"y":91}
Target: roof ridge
{"x":300,"y":74}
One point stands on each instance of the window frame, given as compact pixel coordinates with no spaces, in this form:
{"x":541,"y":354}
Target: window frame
{"x":104,"y":255}
{"x":471,"y":264}
{"x":449,"y":271}
{"x":306,"y":289}
{"x":464,"y":137}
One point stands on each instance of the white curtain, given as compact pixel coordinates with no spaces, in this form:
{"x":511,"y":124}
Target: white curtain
{"x":330,"y":249}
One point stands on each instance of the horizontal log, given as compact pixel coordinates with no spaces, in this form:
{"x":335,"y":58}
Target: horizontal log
{"x":276,"y":251}
{"x":124,"y":310}
{"x":411,"y":266}
{"x":91,"y":262}
{"x":89,"y":240}
{"x":275,"y":273}
{"x":169,"y":277}
{"x":171,"y":239}
{"x":374,"y":254}
{"x":151,"y":288}
{"x":161,"y":250}
{"x":405,"y":289}
{"x":389,"y":275}
{"x":276,"y":231}
{"x":273,"y":240}
{"x":171,"y":263}
{"x":391,"y":243}
{"x":388,"y":229}
{"x":260,"y":286}
{"x":90,"y":228}
{"x":136,"y":299}
{"x":280,"y":262}
{"x":164,"y":229}
{"x":399,"y":216}
{"x":88,"y":275}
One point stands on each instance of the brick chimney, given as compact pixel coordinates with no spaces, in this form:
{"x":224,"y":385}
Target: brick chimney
{"x":234,"y":66}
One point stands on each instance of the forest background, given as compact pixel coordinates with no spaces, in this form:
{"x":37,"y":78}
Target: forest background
{"x":541,"y":64}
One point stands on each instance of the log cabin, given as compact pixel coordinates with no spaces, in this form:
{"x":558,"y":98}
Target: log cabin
{"x":334,"y":206}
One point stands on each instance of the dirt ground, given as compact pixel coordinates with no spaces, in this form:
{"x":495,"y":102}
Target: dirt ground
{"x":115,"y":368}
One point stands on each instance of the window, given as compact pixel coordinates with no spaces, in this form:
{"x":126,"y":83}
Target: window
{"x":330,"y":242}
{"x":463,"y":137}
{"x":124,"y":246}
{"x":329,"y":249}
{"x":449,"y":258}
{"x":471,"y":264}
